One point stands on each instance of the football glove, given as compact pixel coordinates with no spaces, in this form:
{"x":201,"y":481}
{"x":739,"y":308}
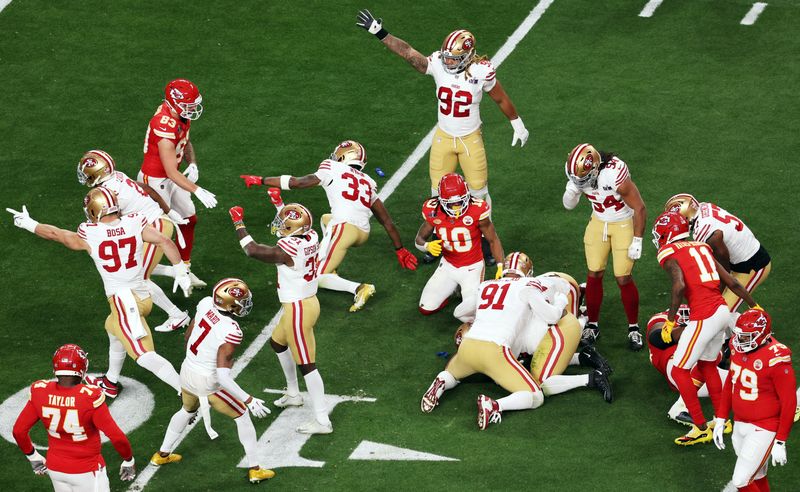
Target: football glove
{"x":250,"y":180}
{"x":365,"y":20}
{"x":275,"y":197}
{"x":520,"y":132}
{"x":257,"y":407}
{"x":666,"y":331}
{"x":127,"y":470}
{"x":499,"y":272}
{"x":23,"y":219}
{"x":779,"y":453}
{"x":38,"y":463}
{"x":208,"y":199}
{"x":719,"y":432}
{"x":635,"y":249}
{"x":237,"y":216}
{"x":406,"y":258}
{"x":182,"y":279}
{"x":192,"y":173}
{"x":434,"y":247}
{"x":176,"y":218}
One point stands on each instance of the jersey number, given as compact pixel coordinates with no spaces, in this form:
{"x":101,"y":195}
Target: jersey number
{"x":749,"y":381}
{"x":133,"y":184}
{"x":69,"y":424}
{"x":459,"y":239}
{"x":708,"y":273}
{"x":725,"y":218}
{"x":109,"y":250}
{"x":355,"y":191}
{"x":491,"y":299}
{"x":608,"y":203}
{"x":206,"y":330}
{"x":456,"y":103}
{"x":311,"y":264}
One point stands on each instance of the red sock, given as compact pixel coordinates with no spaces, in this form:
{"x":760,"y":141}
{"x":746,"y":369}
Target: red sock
{"x":688,"y":390}
{"x":594,"y":297}
{"x":751,"y":487}
{"x":441,"y":306}
{"x":630,"y":301}
{"x":708,"y":368}
{"x":762,"y":483}
{"x":188,"y":235}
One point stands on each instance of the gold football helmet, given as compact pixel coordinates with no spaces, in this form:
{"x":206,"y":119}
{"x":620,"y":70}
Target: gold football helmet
{"x":233,"y":296}
{"x":292,"y":220}
{"x":518,"y":263}
{"x":683,"y":203}
{"x":95,"y":167}
{"x":458,"y":51}
{"x":351,"y":153}
{"x":583,"y":165}
{"x":98,"y":203}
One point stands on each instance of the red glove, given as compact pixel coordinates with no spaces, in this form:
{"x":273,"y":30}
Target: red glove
{"x":406,"y":259}
{"x":237,"y":214}
{"x":252,"y":180}
{"x":275,"y":196}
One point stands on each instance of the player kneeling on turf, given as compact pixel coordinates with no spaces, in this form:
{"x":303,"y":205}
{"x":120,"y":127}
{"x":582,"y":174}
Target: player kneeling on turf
{"x":206,"y":379}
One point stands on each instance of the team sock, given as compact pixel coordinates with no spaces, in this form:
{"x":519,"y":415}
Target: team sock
{"x":316,"y":390}
{"x":559,"y":383}
{"x":519,"y":400}
{"x":332,"y":281}
{"x":289,"y":372}
{"x":688,"y":391}
{"x":593,"y":298}
{"x":177,"y":424}
{"x":630,"y":301}
{"x":116,"y":358}
{"x":188,"y":236}
{"x":708,"y":368}
{"x":161,"y":300}
{"x":162,"y":368}
{"x":247,"y":436}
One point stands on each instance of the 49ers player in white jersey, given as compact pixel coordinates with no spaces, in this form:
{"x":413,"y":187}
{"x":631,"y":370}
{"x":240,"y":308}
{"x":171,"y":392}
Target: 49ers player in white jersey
{"x":353,"y":198}
{"x":97,"y":168}
{"x":206,"y":379}
{"x":115,"y":244}
{"x":616,"y":228}
{"x":296,"y":257}
{"x":735,"y":247}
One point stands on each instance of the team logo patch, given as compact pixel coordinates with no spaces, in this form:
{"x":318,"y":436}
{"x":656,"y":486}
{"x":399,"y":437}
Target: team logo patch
{"x":468,"y":221}
{"x":757,"y":365}
{"x":473,"y":81}
{"x":437,"y":221}
{"x":174,"y":93}
{"x":468,"y":44}
{"x":91,"y":162}
{"x":293,"y":214}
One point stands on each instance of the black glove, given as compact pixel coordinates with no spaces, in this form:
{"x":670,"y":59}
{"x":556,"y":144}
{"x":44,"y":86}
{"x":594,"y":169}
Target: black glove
{"x":366,"y":20}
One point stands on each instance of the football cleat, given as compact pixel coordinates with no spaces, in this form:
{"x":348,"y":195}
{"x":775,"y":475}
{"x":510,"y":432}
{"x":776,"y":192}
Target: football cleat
{"x":174,"y":323}
{"x":159,"y":460}
{"x":590,"y":357}
{"x":635,"y":342}
{"x":256,"y":475}
{"x":728,"y":426}
{"x":599,"y":381}
{"x":431,"y":397}
{"x":679,"y":413}
{"x":111,"y":390}
{"x":695,"y":436}
{"x":488,"y":412}
{"x":196,"y":282}
{"x":590,"y":334}
{"x":289,"y":401}
{"x":797,"y":414}
{"x":363,"y":293}
{"x":315,"y":427}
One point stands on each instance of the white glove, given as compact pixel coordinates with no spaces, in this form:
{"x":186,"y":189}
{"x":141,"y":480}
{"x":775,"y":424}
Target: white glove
{"x":39,"y":464}
{"x":572,"y":194}
{"x":560,"y":301}
{"x":23,"y":219}
{"x":635,"y":249}
{"x":366,"y":20}
{"x":520,"y":132}
{"x":719,"y":432}
{"x":206,"y":197}
{"x":779,"y":453}
{"x":127,"y":470}
{"x":182,"y":279}
{"x":257,"y":407}
{"x":176,"y":218}
{"x":192,"y":173}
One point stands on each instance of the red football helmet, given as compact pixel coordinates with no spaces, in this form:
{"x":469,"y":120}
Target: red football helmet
{"x":453,"y":194}
{"x":682,"y":317}
{"x":184,"y":98}
{"x":752,"y":330}
{"x":70,"y":360}
{"x":670,"y":227}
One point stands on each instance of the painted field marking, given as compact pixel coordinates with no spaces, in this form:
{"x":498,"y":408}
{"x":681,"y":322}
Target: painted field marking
{"x":651,"y":7}
{"x":750,"y":18}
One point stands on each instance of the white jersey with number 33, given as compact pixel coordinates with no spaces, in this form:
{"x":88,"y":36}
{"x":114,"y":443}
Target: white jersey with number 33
{"x":211,"y":329}
{"x":299,"y":281}
{"x":607,"y":203}
{"x":350,"y":192}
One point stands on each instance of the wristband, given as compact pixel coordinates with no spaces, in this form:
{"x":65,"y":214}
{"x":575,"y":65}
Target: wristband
{"x":239,"y":224}
{"x":245,"y":241}
{"x":285,"y":182}
{"x":381,"y":34}
{"x":421,"y":247}
{"x":34,"y":456}
{"x":129,"y":463}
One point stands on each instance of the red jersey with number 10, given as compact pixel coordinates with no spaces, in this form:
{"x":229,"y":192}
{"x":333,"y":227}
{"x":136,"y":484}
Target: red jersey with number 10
{"x":461,"y":237}
{"x":696,"y":261}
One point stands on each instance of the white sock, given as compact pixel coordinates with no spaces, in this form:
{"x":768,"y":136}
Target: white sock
{"x":519,"y":400}
{"x":559,"y":384}
{"x":247,"y":436}
{"x":177,"y":423}
{"x":332,"y":281}
{"x":116,"y":358}
{"x":702,"y":392}
{"x":289,"y":371}
{"x":450,"y":381}
{"x":574,"y":360}
{"x":316,"y":390}
{"x":161,"y":300}
{"x":162,"y":368}
{"x":165,"y":270}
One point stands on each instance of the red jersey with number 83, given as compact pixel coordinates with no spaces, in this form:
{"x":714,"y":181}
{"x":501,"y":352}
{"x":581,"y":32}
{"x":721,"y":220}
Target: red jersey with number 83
{"x":700,"y":276}
{"x":461,"y":237}
{"x":163,"y":125}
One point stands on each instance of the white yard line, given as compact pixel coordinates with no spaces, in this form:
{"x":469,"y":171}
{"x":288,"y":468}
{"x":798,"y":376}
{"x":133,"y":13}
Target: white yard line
{"x":419,"y":152}
{"x":751,"y":17}
{"x":651,"y":7}
{"x":4,"y":4}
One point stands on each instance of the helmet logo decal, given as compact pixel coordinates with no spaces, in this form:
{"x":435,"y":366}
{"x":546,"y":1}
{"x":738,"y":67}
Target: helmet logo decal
{"x":236,"y":292}
{"x":293,"y":214}
{"x":175,"y":93}
{"x":468,"y":44}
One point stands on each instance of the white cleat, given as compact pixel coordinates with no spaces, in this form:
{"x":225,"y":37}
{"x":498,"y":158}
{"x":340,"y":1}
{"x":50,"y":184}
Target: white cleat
{"x":431,"y":397}
{"x":174,"y":323}
{"x":196,"y":282}
{"x":289,"y":401}
{"x":315,"y":427}
{"x":164,"y":270}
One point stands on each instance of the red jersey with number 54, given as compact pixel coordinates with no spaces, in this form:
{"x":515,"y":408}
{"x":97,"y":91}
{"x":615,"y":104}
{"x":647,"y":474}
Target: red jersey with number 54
{"x":350,"y":192}
{"x":607,"y":203}
{"x":696,"y":261}
{"x":163,"y":125}
{"x":211,"y":329}
{"x":461,"y":237}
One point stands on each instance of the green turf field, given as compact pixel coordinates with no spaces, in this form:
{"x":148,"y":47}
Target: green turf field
{"x":690,"y":99}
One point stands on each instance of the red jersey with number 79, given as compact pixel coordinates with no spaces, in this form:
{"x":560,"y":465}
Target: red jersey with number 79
{"x":696,"y":261}
{"x":461,"y":237}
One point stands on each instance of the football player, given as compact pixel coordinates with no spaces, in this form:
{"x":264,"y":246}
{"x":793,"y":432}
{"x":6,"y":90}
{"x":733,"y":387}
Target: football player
{"x":734,"y":245}
{"x":695,"y":274}
{"x":97,"y":168}
{"x":353,"y":198}
{"x":461,"y":78}
{"x":74,"y":413}
{"x":166,"y":145}
{"x":115,"y":243}
{"x":616,"y":227}
{"x":206,"y":379}
{"x":505,"y":306}
{"x":760,"y":389}
{"x":459,"y":220}
{"x":296,"y":257}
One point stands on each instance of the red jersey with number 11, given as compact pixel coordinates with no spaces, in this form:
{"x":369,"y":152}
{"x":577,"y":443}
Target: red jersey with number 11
{"x":461,"y":237}
{"x":696,"y":261}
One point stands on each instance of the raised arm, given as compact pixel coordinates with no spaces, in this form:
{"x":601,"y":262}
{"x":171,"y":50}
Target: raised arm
{"x":367,"y":21}
{"x":262,"y":252}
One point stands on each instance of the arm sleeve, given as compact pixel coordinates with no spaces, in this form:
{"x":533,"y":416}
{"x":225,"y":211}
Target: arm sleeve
{"x":229,"y":385}
{"x":550,"y":314}
{"x":784,"y":381}
{"x":103,"y":420}
{"x":571,"y":196}
{"x":22,"y":427}
{"x":727,"y":393}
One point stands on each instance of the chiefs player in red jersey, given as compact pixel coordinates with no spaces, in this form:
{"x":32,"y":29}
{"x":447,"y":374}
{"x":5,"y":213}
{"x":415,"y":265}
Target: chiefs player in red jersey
{"x":166,"y":145}
{"x":74,"y":414}
{"x":696,"y":275}
{"x":760,"y":388}
{"x":459,"y":220}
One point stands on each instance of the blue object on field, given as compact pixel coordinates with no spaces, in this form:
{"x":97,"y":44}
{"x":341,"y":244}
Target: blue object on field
{"x":379,"y":172}
{"x":443,"y":355}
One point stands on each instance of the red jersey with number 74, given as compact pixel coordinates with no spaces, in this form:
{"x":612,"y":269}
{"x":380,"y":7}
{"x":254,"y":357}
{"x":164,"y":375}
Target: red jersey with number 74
{"x":461,"y":237}
{"x":163,"y":126}
{"x":696,"y":261}
{"x":211,"y":329}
